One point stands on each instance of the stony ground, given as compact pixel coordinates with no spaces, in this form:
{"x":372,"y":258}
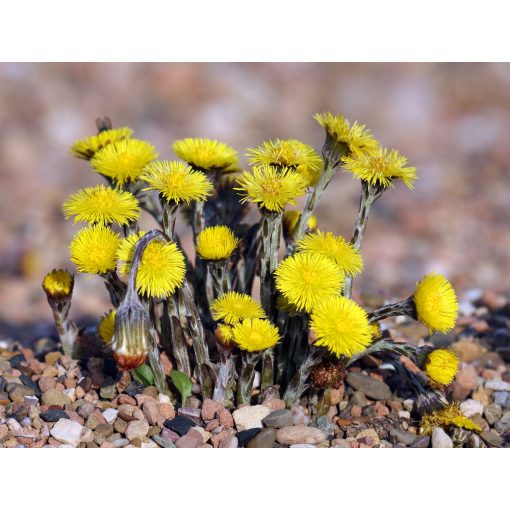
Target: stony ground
{"x":49,"y":400}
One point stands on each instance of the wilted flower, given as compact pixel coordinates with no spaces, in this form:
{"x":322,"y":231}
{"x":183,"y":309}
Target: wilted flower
{"x":447,"y":417}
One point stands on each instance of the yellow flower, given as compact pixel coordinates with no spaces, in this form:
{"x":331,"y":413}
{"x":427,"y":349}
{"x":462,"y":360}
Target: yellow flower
{"x":102,"y":205}
{"x":94,"y":248}
{"x":441,"y":366}
{"x":58,"y":283}
{"x":449,"y":416}
{"x":375,"y":331}
{"x":216,"y":243}
{"x":255,"y":335}
{"x":291,"y":154}
{"x":206,"y":154}
{"x":355,"y":138}
{"x":234,"y":307}
{"x":124,"y":161}
{"x":86,"y":148}
{"x":106,"y":327}
{"x":161,"y":269}
{"x":177,"y":182}
{"x":341,"y":326}
{"x":436,"y":303}
{"x":271,"y":188}
{"x":380,"y":167}
{"x":225,"y":335}
{"x":306,"y":279}
{"x":290,"y":219}
{"x":336,"y":248}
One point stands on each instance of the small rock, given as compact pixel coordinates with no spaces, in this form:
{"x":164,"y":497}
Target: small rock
{"x":406,"y":415}
{"x":402,"y":436}
{"x":421,"y":442}
{"x":372,"y":388}
{"x":67,"y":432}
{"x":279,"y":418}
{"x":53,"y":415}
{"x":440,"y":439}
{"x":274,"y":404}
{"x":167,"y":411}
{"x":468,"y":351}
{"x":169,"y":435}
{"x":19,"y":393}
{"x":179,"y":424}
{"x":85,"y":410}
{"x":471,"y":407}
{"x":300,"y":434}
{"x":503,"y":425}
{"x":339,"y":443}
{"x":110,"y":415}
{"x":492,"y":413}
{"x":369,"y":437}
{"x":264,"y":439}
{"x":358,"y":399}
{"x":192,"y":439}
{"x":302,"y":445}
{"x":133,"y":389}
{"x":246,"y":436}
{"x":55,"y":397}
{"x":464,"y":383}
{"x":120,"y":443}
{"x":105,"y":429}
{"x":502,"y":398}
{"x":229,"y":442}
{"x":497,"y":385}
{"x":108,"y":391}
{"x":87,"y":436}
{"x":151,"y":412}
{"x":137,"y":429}
{"x":209,"y":409}
{"x":492,"y":438}
{"x":192,"y":413}
{"x":356,"y":411}
{"x":164,"y":443}
{"x":300,"y":417}
{"x":120,"y":426}
{"x":250,"y":417}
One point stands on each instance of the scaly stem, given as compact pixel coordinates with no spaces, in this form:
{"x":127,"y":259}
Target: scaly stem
{"x":245,"y":383}
{"x":157,"y":370}
{"x":226,"y":377}
{"x":405,"y":307}
{"x":169,"y":217}
{"x":294,"y":348}
{"x":178,"y":344}
{"x":116,"y":288}
{"x":219,"y":275}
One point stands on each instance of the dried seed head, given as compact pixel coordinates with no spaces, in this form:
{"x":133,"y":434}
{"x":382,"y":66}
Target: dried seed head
{"x":328,"y":374}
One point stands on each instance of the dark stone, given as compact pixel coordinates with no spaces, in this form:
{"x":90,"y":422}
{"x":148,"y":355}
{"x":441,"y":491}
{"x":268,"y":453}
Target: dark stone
{"x":501,"y":338}
{"x":16,"y":360}
{"x":179,"y":424}
{"x":30,"y":384}
{"x":372,"y":388}
{"x":264,"y":439}
{"x":133,"y":388}
{"x":85,"y":383}
{"x":3,"y":384}
{"x":279,"y":418}
{"x":504,"y":352}
{"x":245,"y":436}
{"x":53,"y":415}
{"x":402,"y":436}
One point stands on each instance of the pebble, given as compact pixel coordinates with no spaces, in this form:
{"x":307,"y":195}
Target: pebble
{"x":19,"y":393}
{"x":274,"y":404}
{"x":151,"y":412}
{"x":110,"y":415}
{"x":108,"y":392}
{"x":492,"y":438}
{"x":264,"y":439}
{"x":209,"y":409}
{"x":164,"y":443}
{"x":279,"y":418}
{"x":300,"y":417}
{"x":471,"y":407}
{"x":372,"y":388}
{"x":229,"y":442}
{"x":120,"y":443}
{"x":300,"y":434}
{"x":137,"y":429}
{"x":55,"y":397}
{"x":250,"y":417}
{"x":369,"y":437}
{"x":440,"y":439}
{"x":497,"y":385}
{"x":402,"y":436}
{"x":421,"y":442}
{"x":302,"y":445}
{"x":179,"y":424}
{"x":67,"y":432}
{"x":245,"y":436}
{"x":492,"y":413}
{"x":502,"y":398}
{"x":464,"y":383}
{"x":192,"y":439}
{"x":503,"y":425}
{"x":53,"y":415}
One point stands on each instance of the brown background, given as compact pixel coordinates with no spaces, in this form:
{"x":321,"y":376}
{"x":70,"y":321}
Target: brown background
{"x":451,"y":120}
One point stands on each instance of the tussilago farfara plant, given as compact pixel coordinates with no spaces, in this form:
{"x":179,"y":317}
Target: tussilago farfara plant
{"x":200,"y":309}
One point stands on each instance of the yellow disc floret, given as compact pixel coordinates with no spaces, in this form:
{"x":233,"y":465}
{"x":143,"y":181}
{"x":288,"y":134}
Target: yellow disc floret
{"x":106,"y":327}
{"x":124,"y":161}
{"x":441,"y":366}
{"x":305,"y":279}
{"x":436,"y":303}
{"x":255,"y":335}
{"x":271,"y":188}
{"x":216,"y":243}
{"x":103,"y":205}
{"x":94,"y":249}
{"x":177,"y":181}
{"x":341,"y":326}
{"x":234,"y":307}
{"x":336,"y":248}
{"x":206,"y":154}
{"x":86,"y":148}
{"x":58,"y":283}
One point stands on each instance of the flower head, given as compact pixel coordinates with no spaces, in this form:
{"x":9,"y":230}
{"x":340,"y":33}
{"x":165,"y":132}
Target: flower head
{"x":177,"y":182}
{"x":436,"y":303}
{"x":341,"y":326}
{"x":441,"y":366}
{"x":447,"y":417}
{"x":161,"y":269}
{"x":125,"y":160}
{"x":106,"y":327}
{"x":58,"y":284}
{"x":94,"y":249}
{"x":336,"y":248}
{"x":291,"y":154}
{"x":206,"y":154}
{"x":380,"y":167}
{"x":216,"y":243}
{"x":225,"y":335}
{"x":353,"y":139}
{"x":87,"y":147}
{"x":234,"y":307}
{"x":290,"y":219}
{"x":271,"y":188}
{"x":305,"y":279}
{"x":102,"y":205}
{"x":255,"y":335}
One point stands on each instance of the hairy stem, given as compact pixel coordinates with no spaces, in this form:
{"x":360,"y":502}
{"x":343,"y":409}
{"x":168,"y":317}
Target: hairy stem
{"x":245,"y":383}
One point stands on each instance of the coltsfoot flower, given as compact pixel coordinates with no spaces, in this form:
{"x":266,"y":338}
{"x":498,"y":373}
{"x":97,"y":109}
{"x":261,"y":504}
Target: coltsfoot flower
{"x":103,"y":205}
{"x":255,"y":335}
{"x":94,"y":248}
{"x":449,"y":416}
{"x":216,"y":243}
{"x":225,"y":335}
{"x":290,"y":219}
{"x":87,"y":147}
{"x":436,"y":303}
{"x":161,"y":269}
{"x":380,"y":167}
{"x":58,"y":284}
{"x":106,"y":327}
{"x":206,"y":154}
{"x":441,"y":366}
{"x":341,"y":326}
{"x":124,"y":161}
{"x":271,"y":188}
{"x":234,"y":307}
{"x":336,"y":248}
{"x":291,"y":154}
{"x":177,"y":181}
{"x":306,"y":279}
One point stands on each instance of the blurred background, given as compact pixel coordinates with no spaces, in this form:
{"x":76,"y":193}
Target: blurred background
{"x":452,"y":121}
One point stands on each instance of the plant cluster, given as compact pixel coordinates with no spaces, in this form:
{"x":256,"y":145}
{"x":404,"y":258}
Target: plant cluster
{"x":201,"y":309}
